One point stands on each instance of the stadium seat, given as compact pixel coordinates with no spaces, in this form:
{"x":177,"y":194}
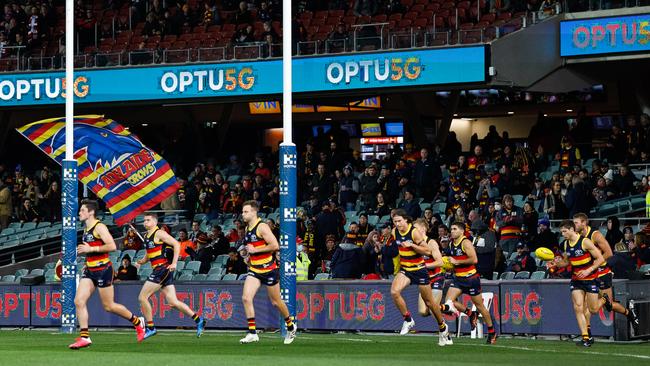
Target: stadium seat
{"x":185,"y":277}
{"x":15,"y":226}
{"x":144,"y":271}
{"x":644,"y":268}
{"x":139,"y":255}
{"x":229,"y":277}
{"x":200,"y":277}
{"x":322,"y":276}
{"x":8,"y":231}
{"x":180,"y":266}
{"x":37,"y":272}
{"x":373,"y":220}
{"x":31,"y":238}
{"x":28,"y":226}
{"x":215,"y":270}
{"x":9,"y":278}
{"x":522,"y":275}
{"x":507,"y":276}
{"x":49,"y":265}
{"x":194,"y":266}
{"x":44,"y":224}
{"x":50,"y":275}
{"x":495,"y":276}
{"x":538,"y":275}
{"x":21,"y":272}
{"x":213,"y":277}
{"x":11,"y":243}
{"x":242,"y":277}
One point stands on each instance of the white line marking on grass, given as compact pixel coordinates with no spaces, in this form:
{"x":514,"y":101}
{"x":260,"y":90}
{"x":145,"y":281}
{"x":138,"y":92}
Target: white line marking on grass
{"x":643,"y":357}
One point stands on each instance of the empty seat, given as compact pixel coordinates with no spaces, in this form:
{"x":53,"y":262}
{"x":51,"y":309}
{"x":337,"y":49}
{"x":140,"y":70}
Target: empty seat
{"x":185,"y":277}
{"x":507,"y":276}
{"x":322,"y":276}
{"x":200,"y":277}
{"x":229,"y":277}
{"x":522,"y":275}
{"x":193,"y":266}
{"x":22,"y":272}
{"x":37,"y":272}
{"x":9,"y":278}
{"x":538,"y":275}
{"x":213,"y":277}
{"x":242,"y":276}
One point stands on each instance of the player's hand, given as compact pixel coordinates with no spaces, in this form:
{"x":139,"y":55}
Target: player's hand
{"x":84,"y":248}
{"x":172,"y":267}
{"x":453,"y":261}
{"x":407,"y":244}
{"x":584,"y":273}
{"x":251,"y":249}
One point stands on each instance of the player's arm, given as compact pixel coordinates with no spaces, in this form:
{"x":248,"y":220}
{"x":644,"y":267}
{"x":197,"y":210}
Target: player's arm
{"x":419,"y":245}
{"x":162,"y":235}
{"x":109,"y":243}
{"x":264,"y":231}
{"x":601,"y":242}
{"x":595,"y":254}
{"x":435,"y":254}
{"x":468,"y":248}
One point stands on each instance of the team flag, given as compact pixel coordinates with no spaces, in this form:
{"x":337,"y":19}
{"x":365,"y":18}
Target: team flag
{"x":113,"y":163}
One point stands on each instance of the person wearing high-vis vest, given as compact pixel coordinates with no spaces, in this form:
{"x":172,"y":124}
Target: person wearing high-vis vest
{"x":302,"y":262}
{"x":647,"y":204}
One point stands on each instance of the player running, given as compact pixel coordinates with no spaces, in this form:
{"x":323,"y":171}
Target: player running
{"x":261,"y":246}
{"x":162,"y":277}
{"x":433,"y":264}
{"x":97,"y":273}
{"x":466,"y":280}
{"x":585,"y":258}
{"x":604,"y":273}
{"x":412,"y":247}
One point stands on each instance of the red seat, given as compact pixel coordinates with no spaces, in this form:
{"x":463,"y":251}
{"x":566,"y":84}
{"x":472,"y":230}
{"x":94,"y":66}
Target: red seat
{"x":433,"y":7}
{"x":488,"y":18}
{"x":395,"y":17}
{"x":421,"y":23}
{"x":505,"y":16}
{"x":417,"y":8}
{"x":440,"y":22}
{"x":317,"y":21}
{"x":448,"y":5}
{"x":170,"y":38}
{"x":185,"y":37}
{"x":228,"y":28}
{"x":404,"y":23}
{"x":337,"y":13}
{"x":322,"y":14}
{"x":411,"y":16}
{"x":381,"y":18}
{"x":467,"y":26}
{"x":463,"y":5}
{"x":333,"y":20}
{"x":349,"y":19}
{"x":407,"y":3}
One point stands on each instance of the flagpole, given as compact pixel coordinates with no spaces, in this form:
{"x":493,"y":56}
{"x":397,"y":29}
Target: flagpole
{"x":69,"y":185}
{"x":288,"y":176}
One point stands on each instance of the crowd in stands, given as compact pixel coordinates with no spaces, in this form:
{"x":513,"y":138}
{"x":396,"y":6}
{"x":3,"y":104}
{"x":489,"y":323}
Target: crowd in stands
{"x":505,"y":193}
{"x":151,"y":26}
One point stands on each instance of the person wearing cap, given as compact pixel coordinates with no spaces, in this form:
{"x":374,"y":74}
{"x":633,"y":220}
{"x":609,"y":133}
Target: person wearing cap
{"x":522,"y":261}
{"x":302,"y":261}
{"x":126,"y":272}
{"x":544,"y":236}
{"x":409,"y":204}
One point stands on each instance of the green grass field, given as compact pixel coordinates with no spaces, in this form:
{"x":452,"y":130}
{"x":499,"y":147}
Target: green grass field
{"x":219,"y":348}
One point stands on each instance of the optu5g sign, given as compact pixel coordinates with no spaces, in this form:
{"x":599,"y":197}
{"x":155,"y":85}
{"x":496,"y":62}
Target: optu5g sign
{"x":605,"y":35}
{"x":390,"y":69}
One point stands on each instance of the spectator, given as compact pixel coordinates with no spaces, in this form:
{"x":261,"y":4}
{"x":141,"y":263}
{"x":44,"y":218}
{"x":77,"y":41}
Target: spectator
{"x":302,"y":262}
{"x":126,"y":272}
{"x":235,"y":263}
{"x":544,"y":237}
{"x":186,"y":243}
{"x":614,"y":234}
{"x":426,"y":175}
{"x":409,"y":204}
{"x":244,"y":35}
{"x":364,"y":227}
{"x":205,"y":253}
{"x":269,"y":31}
{"x":28,"y":212}
{"x":569,"y":155}
{"x":485,"y":242}
{"x":625,"y":181}
{"x":349,"y":189}
{"x":6,"y":207}
{"x":322,"y":184}
{"x":353,"y":237}
{"x":196,"y":230}
{"x":369,"y":187}
{"x":264,"y":13}
{"x":347,"y":262}
{"x":522,"y":261}
{"x":132,"y":240}
{"x":509,"y":221}
{"x":554,"y":205}
{"x":387,"y":252}
{"x":577,"y":197}
{"x":338,"y":39}
{"x":218,"y":241}
{"x":233,"y":203}
{"x":243,"y":15}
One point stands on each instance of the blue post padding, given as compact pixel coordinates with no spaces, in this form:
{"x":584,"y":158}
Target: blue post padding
{"x":69,"y":245}
{"x":287,"y":239}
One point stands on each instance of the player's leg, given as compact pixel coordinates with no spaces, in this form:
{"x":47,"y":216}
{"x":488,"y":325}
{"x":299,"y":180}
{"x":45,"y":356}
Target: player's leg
{"x":84,"y":291}
{"x":427,"y":296}
{"x":400,"y":282}
{"x":451,"y":302}
{"x":422,"y":307}
{"x":273,"y":292}
{"x":578,"y":299}
{"x":588,"y":319}
{"x":148,"y":289}
{"x":251,"y":286}
{"x":169,"y":292}
{"x":477,"y":299}
{"x":107,"y":297}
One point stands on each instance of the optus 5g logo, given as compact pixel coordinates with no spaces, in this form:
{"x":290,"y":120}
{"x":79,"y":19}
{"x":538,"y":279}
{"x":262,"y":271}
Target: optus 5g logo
{"x":375,"y":70}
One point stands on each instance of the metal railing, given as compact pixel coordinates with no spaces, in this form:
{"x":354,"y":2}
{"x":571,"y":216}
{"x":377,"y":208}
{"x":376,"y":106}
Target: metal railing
{"x":370,"y":39}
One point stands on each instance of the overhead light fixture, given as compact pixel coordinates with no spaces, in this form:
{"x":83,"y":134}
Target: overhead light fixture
{"x":468,"y":119}
{"x":381,"y":117}
{"x":545,"y":115}
{"x":145,"y":124}
{"x":455,"y":114}
{"x":569,"y":110}
{"x":328,"y":118}
{"x":511,"y":113}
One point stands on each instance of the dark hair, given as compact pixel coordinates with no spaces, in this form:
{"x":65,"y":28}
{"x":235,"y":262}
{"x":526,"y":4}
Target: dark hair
{"x":152,"y":215}
{"x":253,"y":204}
{"x":581,"y":216}
{"x":91,"y":205}
{"x":567,"y":224}
{"x":182,"y":230}
{"x":402,"y":212}
{"x":459,"y":224}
